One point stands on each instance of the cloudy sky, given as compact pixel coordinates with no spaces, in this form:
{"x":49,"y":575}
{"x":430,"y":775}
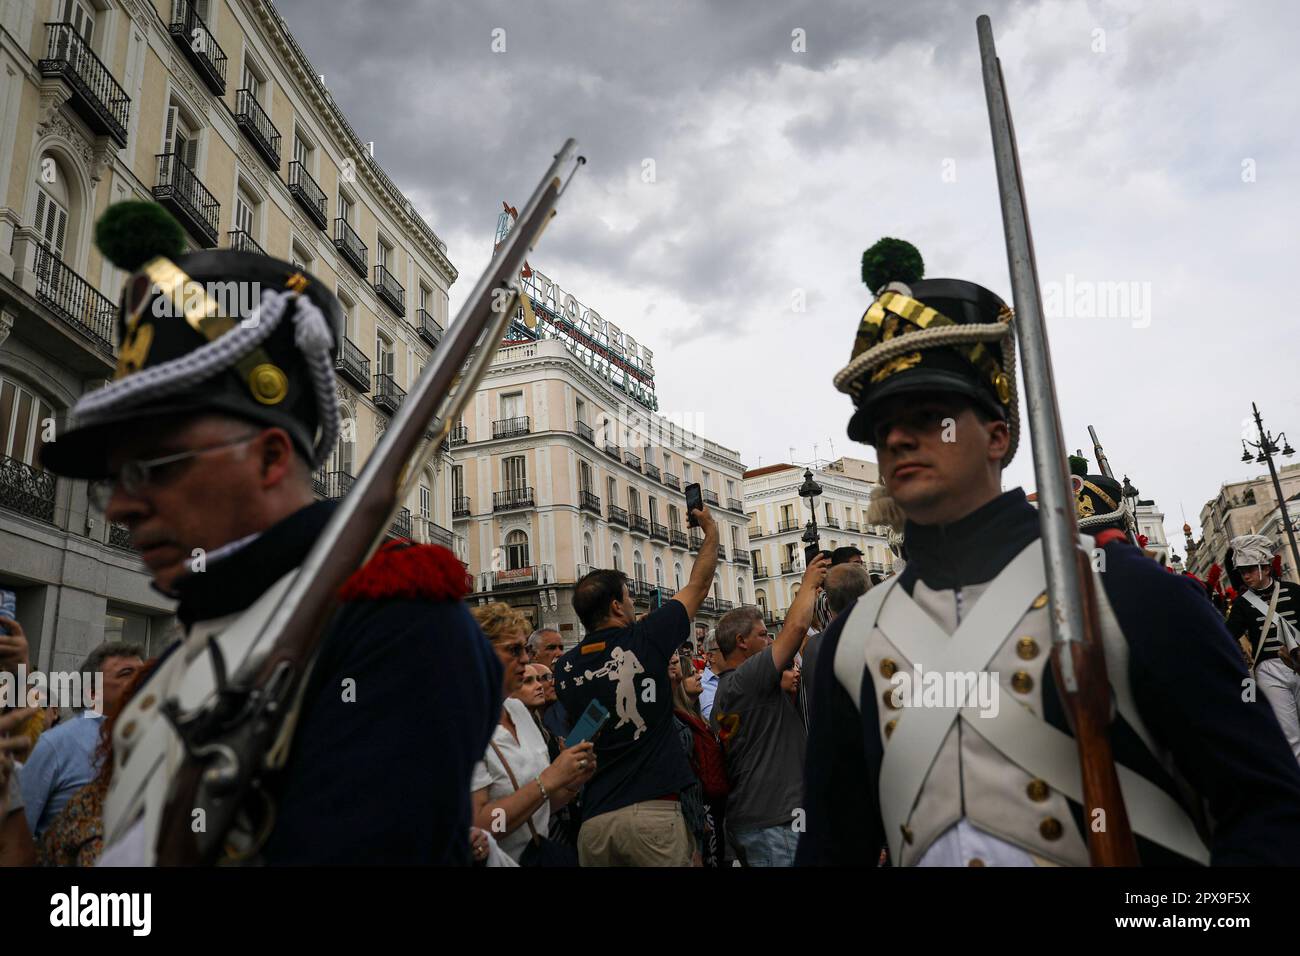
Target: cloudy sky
{"x":1160,"y":143}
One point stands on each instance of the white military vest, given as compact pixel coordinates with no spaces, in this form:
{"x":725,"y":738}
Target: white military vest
{"x":147,"y":753}
{"x":1004,"y":769}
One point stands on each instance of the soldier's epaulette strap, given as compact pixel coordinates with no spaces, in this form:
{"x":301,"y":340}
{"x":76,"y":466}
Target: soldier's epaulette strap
{"x":400,"y":569}
{"x":1104,"y":538}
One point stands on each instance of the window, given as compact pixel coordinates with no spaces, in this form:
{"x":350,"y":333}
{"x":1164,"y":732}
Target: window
{"x":760,"y":598}
{"x":516,"y":550}
{"x":383,"y":353}
{"x":180,"y":138}
{"x":51,"y":225}
{"x":23,"y":420}
{"x":731,"y":488}
{"x":426,"y":502}
{"x":345,"y":208}
{"x":735,"y":538}
{"x":82,"y":17}
{"x":586,"y":549}
{"x":717,"y":588}
{"x":424,"y":297}
{"x":791,"y":550}
{"x":302,"y":152}
{"x":611,"y":490}
{"x":512,"y":405}
{"x":345,"y":449}
{"x":129,"y":626}
{"x":514,"y":472}
{"x":740,"y":591}
{"x":251,"y":81}
{"x":654,"y":510}
{"x":618,"y":556}
{"x":704,"y":479}
{"x":349,"y":313}
{"x":638,"y":566}
{"x":302,"y":259}
{"x":580,"y":411}
{"x":633,"y":502}
{"x":383,"y":252}
{"x":686,"y":472}
{"x":754,"y":557}
{"x":830,"y":513}
{"x":245,"y":222}
{"x":458,"y":481}
{"x":674,"y":523}
{"x":659,"y":572}
{"x":584,"y":477}
{"x":787,"y":515}
{"x":677,"y":575}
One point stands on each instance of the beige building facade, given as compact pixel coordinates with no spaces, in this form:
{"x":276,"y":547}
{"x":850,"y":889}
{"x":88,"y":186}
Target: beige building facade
{"x":556,"y":473}
{"x":1246,"y":507}
{"x":777,"y":517}
{"x":210,"y":108}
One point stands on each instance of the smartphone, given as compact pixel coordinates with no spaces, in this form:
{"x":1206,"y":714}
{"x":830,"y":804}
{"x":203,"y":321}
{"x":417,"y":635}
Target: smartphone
{"x":811,"y":552}
{"x":8,"y":606}
{"x":694,"y":502}
{"x":589,"y":724}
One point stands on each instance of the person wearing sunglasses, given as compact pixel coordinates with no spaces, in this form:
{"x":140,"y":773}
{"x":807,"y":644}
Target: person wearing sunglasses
{"x":208,"y":445}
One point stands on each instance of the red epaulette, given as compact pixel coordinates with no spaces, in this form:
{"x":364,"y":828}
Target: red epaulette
{"x":1104,"y":538}
{"x":400,"y":569}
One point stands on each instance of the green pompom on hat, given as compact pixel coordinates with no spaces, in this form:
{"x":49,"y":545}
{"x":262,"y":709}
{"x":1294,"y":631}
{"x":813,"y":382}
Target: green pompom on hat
{"x":891,"y":260}
{"x":132,"y":232}
{"x":1079,"y":466}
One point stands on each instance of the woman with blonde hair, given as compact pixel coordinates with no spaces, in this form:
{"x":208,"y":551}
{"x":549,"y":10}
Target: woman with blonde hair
{"x":516,"y":786}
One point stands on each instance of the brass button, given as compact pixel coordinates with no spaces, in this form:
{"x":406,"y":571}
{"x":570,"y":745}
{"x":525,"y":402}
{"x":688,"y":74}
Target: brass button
{"x":1026,"y":648}
{"x":1038,"y":790}
{"x":129,"y":729}
{"x":975,"y":861}
{"x":148,"y":702}
{"x":889,"y":728}
{"x":887,"y":668}
{"x":1040,"y":601}
{"x":1051,"y":828}
{"x":1021,"y":682}
{"x":888,"y":698}
{"x":907,"y":832}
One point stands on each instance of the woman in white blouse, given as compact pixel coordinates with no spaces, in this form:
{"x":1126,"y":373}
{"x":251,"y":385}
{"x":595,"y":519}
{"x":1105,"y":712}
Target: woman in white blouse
{"x":504,"y":806}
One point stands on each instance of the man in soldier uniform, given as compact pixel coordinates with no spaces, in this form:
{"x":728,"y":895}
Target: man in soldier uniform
{"x":204,"y":446}
{"x":941,"y":782}
{"x":1265,"y":618}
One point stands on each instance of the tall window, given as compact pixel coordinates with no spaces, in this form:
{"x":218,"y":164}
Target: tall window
{"x":731,"y":488}
{"x":830,"y":512}
{"x":654,"y":510}
{"x":586,"y":549}
{"x":244,"y":221}
{"x":735,"y":538}
{"x":686,"y":471}
{"x":659,"y":572}
{"x":180,"y":138}
{"x":514,"y":472}
{"x":580,"y":411}
{"x":251,"y":82}
{"x":383,"y":252}
{"x":740,"y":591}
{"x":426,"y":502}
{"x":516,"y":550}
{"x":584,"y":477}
{"x":787,"y":515}
{"x":677,"y":576}
{"x":611,"y":490}
{"x":383,"y":353}
{"x":512,"y":405}
{"x":345,"y":449}
{"x":760,"y":598}
{"x":618,"y":556}
{"x":82,"y":17}
{"x":458,"y":481}
{"x":23,"y":420}
{"x":301,"y":153}
{"x":638,"y":566}
{"x":345,"y":208}
{"x":633,"y":502}
{"x":674,"y":523}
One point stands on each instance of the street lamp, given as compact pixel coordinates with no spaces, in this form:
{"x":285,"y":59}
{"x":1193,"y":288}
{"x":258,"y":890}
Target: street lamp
{"x":811,"y":491}
{"x":1267,"y":448}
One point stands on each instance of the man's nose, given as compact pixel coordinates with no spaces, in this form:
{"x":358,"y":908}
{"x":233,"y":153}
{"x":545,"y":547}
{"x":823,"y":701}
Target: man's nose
{"x":122,"y":506}
{"x":899,"y":436}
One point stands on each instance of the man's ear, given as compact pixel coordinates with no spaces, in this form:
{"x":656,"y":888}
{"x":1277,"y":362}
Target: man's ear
{"x":277,"y":456}
{"x":999,"y":439}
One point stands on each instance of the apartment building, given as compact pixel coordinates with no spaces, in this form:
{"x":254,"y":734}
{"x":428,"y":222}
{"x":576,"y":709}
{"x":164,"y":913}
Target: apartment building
{"x":212,"y":109}
{"x":1246,"y":507}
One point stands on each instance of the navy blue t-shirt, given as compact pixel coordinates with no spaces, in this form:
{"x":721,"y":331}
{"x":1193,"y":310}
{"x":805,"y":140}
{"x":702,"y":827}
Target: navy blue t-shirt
{"x":639,"y":756}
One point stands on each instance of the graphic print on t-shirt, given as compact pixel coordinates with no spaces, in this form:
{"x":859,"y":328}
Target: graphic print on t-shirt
{"x":622,"y":668}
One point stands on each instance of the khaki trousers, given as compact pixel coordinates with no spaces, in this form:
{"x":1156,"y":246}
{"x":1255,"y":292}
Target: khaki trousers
{"x":651,"y":833}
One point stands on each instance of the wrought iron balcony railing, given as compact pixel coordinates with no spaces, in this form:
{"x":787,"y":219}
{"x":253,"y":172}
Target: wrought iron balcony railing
{"x":522,"y":577}
{"x":257,"y":126}
{"x":427,"y":328}
{"x":74,"y":300}
{"x":759,"y":571}
{"x":740,"y":556}
{"x":388,"y":394}
{"x":710,"y":497}
{"x":179,"y":191}
{"x":510,"y":427}
{"x":332,"y":484}
{"x":852,"y":526}
{"x":96,"y":96}
{"x":585,"y":432}
{"x":734,"y":504}
{"x":198,"y":44}
{"x":119,"y":536}
{"x":26,"y":490}
{"x":241,"y":241}
{"x":352,"y":364}
{"x":672,"y":481}
{"x":792,"y":525}
{"x":677,"y":538}
{"x":512,"y":498}
{"x":631,"y":460}
{"x":652,"y":471}
{"x":435,"y":533}
{"x":309,"y":195}
{"x":754,"y":532}
{"x":788,"y":567}
{"x":350,"y":247}
{"x":697,"y":540}
{"x":708,"y":604}
{"x":617,"y":515}
{"x":460,"y":507}
{"x":589,"y":502}
{"x":638,"y":523}
{"x":459,"y":435}
{"x":611,"y":450}
{"x":724,"y":604}
{"x":831,"y":523}
{"x":401,"y":526}
{"x":658,"y":531}
{"x":390,"y":290}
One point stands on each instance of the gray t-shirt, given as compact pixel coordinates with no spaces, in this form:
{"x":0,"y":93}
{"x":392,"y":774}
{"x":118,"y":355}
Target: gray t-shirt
{"x":763,"y":738}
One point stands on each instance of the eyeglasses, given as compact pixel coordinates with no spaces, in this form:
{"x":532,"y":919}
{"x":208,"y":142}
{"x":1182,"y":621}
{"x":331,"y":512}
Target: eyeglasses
{"x":517,"y":649}
{"x":136,"y":475}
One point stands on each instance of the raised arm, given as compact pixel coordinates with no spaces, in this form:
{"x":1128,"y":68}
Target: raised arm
{"x":692,"y":595}
{"x":799,"y":618}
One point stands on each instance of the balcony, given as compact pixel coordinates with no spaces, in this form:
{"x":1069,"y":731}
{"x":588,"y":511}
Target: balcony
{"x":257,"y":126}
{"x":734,"y":504}
{"x":26,"y":490}
{"x":436,"y":534}
{"x":754,"y":532}
{"x":119,"y":536}
{"x":96,"y":97}
{"x":401,"y":524}
{"x":672,"y":481}
{"x":611,"y":450}
{"x":831,"y":523}
{"x":708,"y":604}
{"x":198,"y":44}
{"x":585,"y":432}
{"x":652,"y":471}
{"x":722,"y":552}
{"x":460,"y":507}
{"x":75,"y":301}
{"x":589,"y":502}
{"x":332,"y":484}
{"x":658,"y":531}
{"x":739,"y":556}
{"x":724,"y":604}
{"x":631,"y":460}
{"x":677,"y":538}
{"x":697,"y":540}
{"x":388,"y":289}
{"x":426,"y":328}
{"x":851,"y":526}
{"x":309,"y":195}
{"x":388,"y":394}
{"x":710,"y":497}
{"x":788,"y":567}
{"x":350,"y":247}
{"x":638,"y":524}
{"x":512,"y":498}
{"x":790,"y":525}
{"x":459,"y":436}
{"x":617,"y":515}
{"x":352,"y":364}
{"x":511,"y":427}
{"x":522,"y":577}
{"x":760,"y":572}
{"x":179,"y":191}
{"x":241,"y":241}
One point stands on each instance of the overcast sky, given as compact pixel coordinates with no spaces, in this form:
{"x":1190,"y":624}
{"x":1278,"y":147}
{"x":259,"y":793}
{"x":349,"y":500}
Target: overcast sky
{"x":1160,"y":144}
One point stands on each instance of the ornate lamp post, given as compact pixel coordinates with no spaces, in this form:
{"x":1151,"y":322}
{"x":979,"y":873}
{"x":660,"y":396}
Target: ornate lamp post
{"x":810,"y":490}
{"x":1267,"y":448}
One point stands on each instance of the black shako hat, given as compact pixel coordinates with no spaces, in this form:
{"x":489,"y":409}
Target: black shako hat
{"x":928,"y":335}
{"x":199,"y":335}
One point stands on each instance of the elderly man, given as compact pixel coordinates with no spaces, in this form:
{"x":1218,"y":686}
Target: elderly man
{"x":545,"y":646}
{"x":203,"y":446}
{"x":1265,"y":619}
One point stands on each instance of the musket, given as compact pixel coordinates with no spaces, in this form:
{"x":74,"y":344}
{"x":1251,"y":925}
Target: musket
{"x":1104,"y":464}
{"x":1077,"y":661}
{"x":228,"y":739}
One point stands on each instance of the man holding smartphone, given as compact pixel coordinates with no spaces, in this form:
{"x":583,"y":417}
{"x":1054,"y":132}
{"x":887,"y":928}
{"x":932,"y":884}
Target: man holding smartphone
{"x":632,"y":806}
